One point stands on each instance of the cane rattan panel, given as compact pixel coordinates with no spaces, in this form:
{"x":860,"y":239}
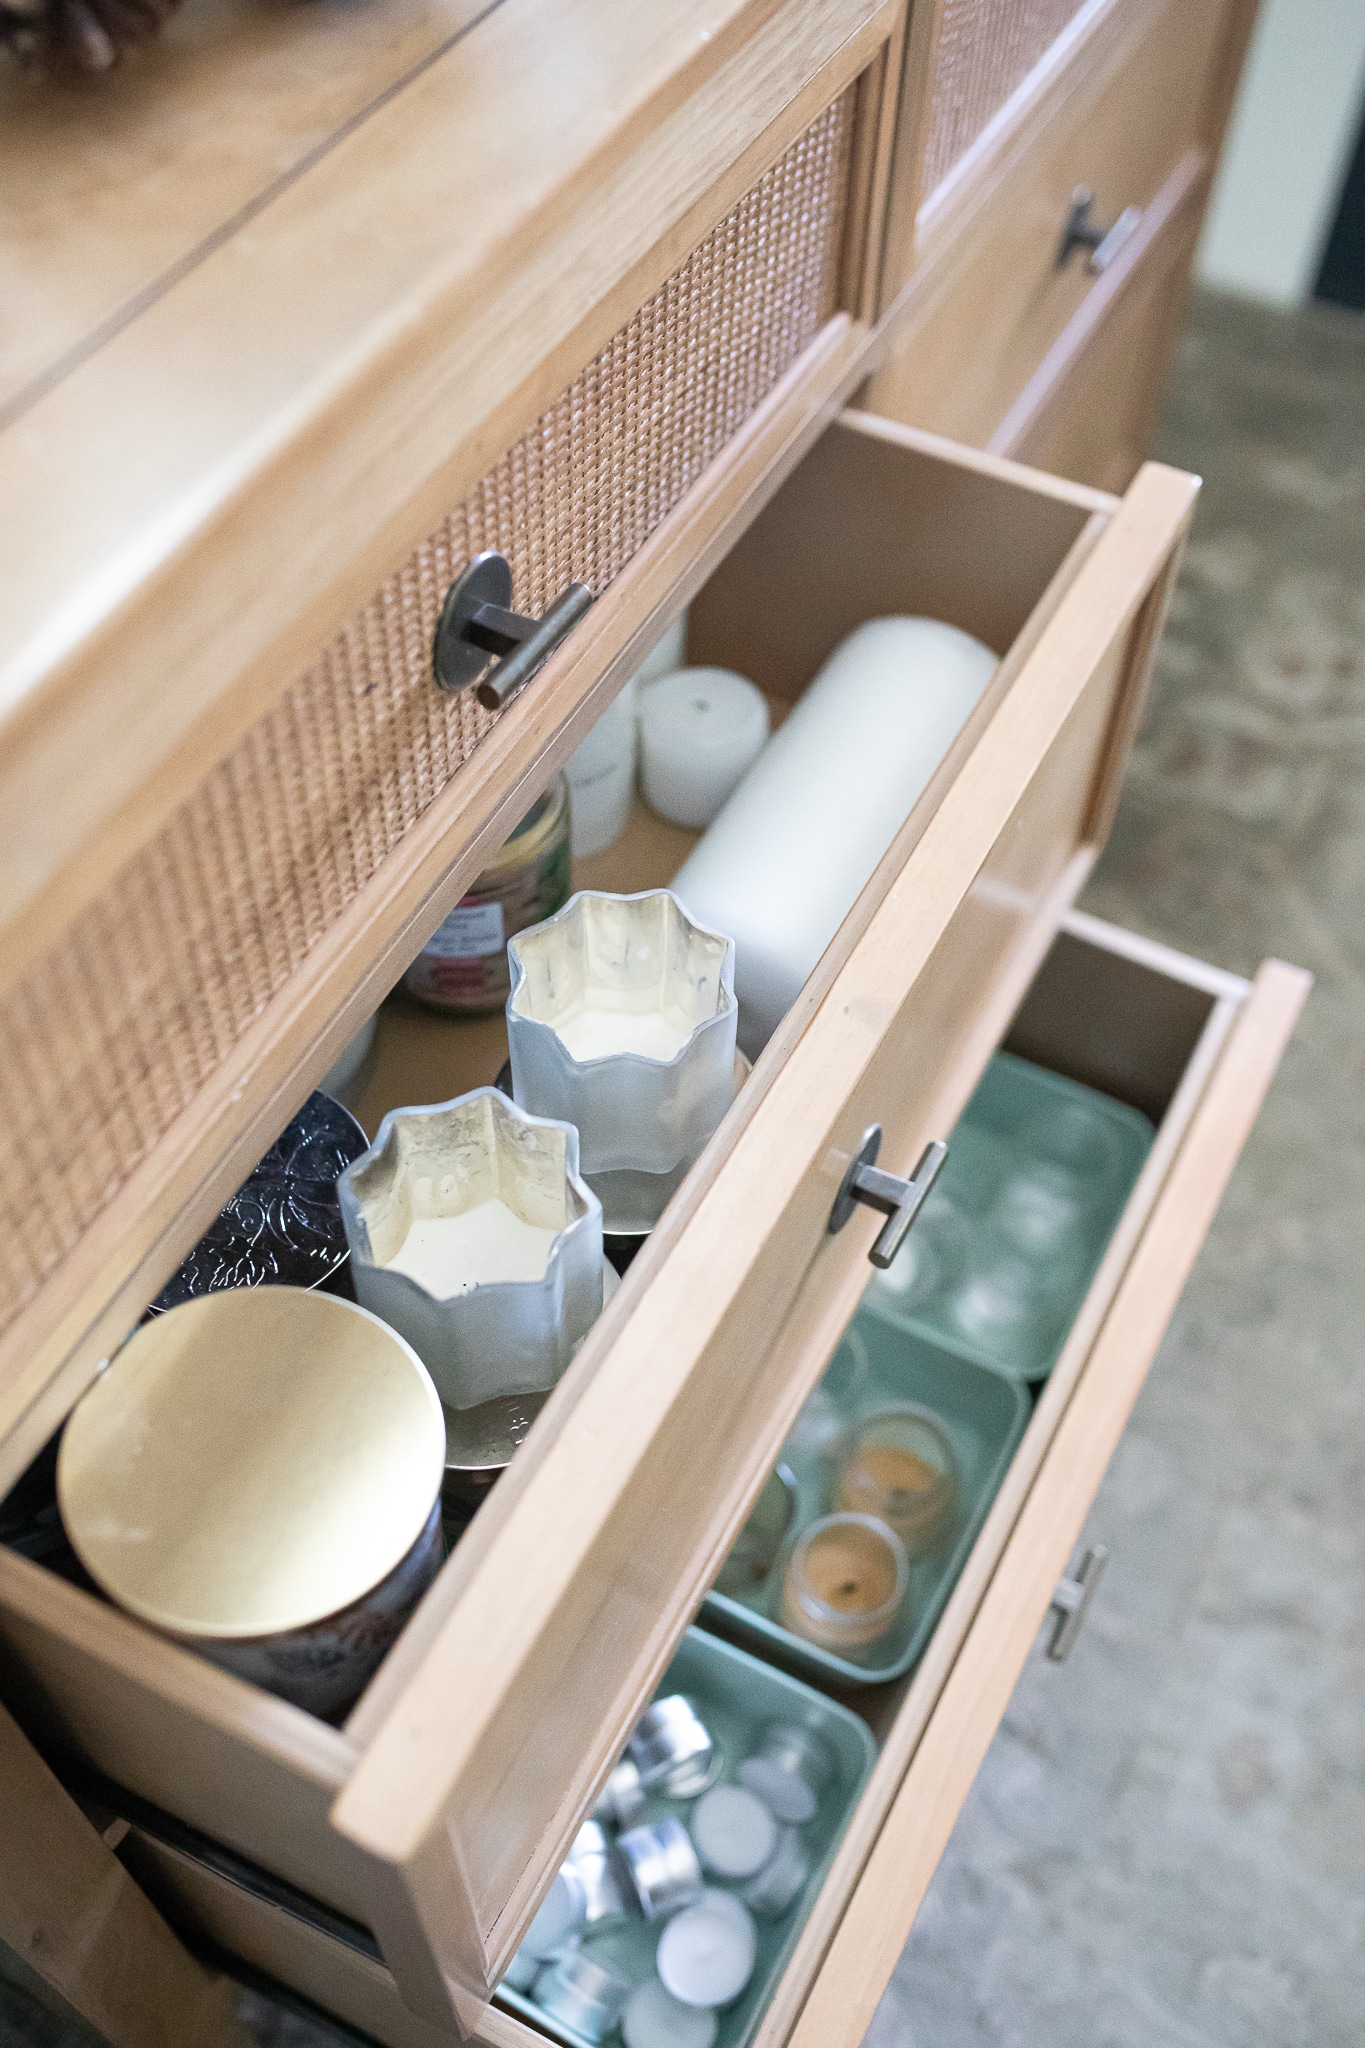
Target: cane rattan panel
{"x":106,"y":1042}
{"x":986,"y":49}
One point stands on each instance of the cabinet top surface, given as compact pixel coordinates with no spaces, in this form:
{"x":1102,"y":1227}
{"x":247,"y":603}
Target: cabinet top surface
{"x":203,"y":251}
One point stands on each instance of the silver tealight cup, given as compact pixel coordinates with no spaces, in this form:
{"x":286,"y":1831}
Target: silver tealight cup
{"x":592,"y":1862}
{"x":621,"y":1797}
{"x":673,"y":1750}
{"x":583,"y":1993}
{"x":663,"y":1866}
{"x":789,"y":1770}
{"x":782,"y":1879}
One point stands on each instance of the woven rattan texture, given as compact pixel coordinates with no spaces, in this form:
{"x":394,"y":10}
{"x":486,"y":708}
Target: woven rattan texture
{"x":986,"y":49}
{"x":107,"y":1042}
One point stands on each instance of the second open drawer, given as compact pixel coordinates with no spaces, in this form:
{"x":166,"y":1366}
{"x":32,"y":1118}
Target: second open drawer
{"x":1195,"y":1050}
{"x":437,"y":1815}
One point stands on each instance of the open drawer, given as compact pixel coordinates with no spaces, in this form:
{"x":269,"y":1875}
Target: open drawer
{"x":437,"y":1815}
{"x":1195,"y":1050}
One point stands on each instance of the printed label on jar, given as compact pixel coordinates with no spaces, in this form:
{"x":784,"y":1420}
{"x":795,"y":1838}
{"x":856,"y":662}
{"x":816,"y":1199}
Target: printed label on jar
{"x":471,"y":932}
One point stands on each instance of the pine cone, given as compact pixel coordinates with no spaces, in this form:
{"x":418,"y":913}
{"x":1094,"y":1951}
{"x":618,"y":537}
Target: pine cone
{"x":78,"y":35}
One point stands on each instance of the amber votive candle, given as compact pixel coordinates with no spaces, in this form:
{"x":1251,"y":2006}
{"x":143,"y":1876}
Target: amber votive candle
{"x":845,"y":1582}
{"x":898,"y":1465}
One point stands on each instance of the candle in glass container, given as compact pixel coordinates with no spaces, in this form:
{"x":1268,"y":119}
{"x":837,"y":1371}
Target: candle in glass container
{"x":899,"y":1466}
{"x":845,"y":1582}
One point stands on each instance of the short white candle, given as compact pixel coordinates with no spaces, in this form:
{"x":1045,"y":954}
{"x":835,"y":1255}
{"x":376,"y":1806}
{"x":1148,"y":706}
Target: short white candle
{"x":734,"y":1831}
{"x":706,"y":1957}
{"x":654,"y":2018}
{"x":787,"y":858}
{"x":601,"y":770}
{"x":701,"y":729}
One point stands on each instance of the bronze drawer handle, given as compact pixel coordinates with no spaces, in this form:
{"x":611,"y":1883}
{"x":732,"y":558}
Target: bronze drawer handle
{"x":476,"y":623}
{"x":1079,"y":231}
{"x":1071,"y":1602}
{"x":900,"y":1201}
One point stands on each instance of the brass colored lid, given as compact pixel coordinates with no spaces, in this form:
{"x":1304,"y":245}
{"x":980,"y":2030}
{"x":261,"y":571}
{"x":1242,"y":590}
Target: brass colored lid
{"x":251,"y":1462}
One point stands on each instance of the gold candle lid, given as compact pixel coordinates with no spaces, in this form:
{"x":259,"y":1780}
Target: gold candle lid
{"x":251,"y":1462}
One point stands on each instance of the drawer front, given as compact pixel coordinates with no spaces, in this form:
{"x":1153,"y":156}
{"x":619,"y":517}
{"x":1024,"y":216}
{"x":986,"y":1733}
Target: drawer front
{"x":1124,"y":114}
{"x":1195,"y":1049}
{"x":150,"y":1053}
{"x":579,"y":1573}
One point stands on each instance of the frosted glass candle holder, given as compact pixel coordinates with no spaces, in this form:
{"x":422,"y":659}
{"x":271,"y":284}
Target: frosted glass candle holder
{"x":622,"y":1022}
{"x":473,"y":1235}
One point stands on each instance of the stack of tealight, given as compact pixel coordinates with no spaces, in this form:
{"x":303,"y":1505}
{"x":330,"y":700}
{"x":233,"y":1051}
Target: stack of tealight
{"x":651,"y":1924}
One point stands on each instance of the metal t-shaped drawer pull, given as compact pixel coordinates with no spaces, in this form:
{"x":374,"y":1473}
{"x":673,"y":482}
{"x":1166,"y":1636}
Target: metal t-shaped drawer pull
{"x":900,"y":1201}
{"x":1071,"y":1600}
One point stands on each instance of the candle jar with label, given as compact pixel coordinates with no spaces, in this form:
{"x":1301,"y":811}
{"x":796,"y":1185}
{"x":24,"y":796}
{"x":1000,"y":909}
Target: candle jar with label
{"x":463,"y":966}
{"x":472,"y":1233}
{"x":621,"y":1021}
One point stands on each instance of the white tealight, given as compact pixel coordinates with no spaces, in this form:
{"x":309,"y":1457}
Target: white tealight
{"x":561,"y":1911}
{"x":734,"y":1831}
{"x":706,"y":1957}
{"x":788,"y":856}
{"x":654,"y":2018}
{"x":701,"y":729}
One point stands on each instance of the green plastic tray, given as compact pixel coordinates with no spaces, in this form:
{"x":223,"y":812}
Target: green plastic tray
{"x":983,"y":1415}
{"x":736,"y":1694}
{"x":1021,"y":1119}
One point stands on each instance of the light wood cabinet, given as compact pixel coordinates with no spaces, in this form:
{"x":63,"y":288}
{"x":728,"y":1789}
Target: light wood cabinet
{"x":616,"y":330}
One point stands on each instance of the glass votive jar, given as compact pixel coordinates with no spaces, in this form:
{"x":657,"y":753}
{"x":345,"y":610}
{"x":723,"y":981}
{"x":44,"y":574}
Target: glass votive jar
{"x":622,"y":1022}
{"x":621,"y":1797}
{"x":663,"y":1866}
{"x":1040,"y":1211}
{"x":583,"y":1992}
{"x":898,"y":1465}
{"x":1003,"y":1307}
{"x":673,"y":1750}
{"x":789,"y":1770}
{"x":782,"y":1879}
{"x":754,"y":1551}
{"x":845,"y":1582}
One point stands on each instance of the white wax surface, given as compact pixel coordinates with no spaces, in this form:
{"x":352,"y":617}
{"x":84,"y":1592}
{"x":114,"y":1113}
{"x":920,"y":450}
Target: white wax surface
{"x":654,"y":2018}
{"x":786,"y":859}
{"x":784,"y":1792}
{"x":592,"y":1031}
{"x":734,"y":1832}
{"x":706,"y":1957}
{"x":700,"y":730}
{"x":601,"y":774}
{"x":448,"y":1254}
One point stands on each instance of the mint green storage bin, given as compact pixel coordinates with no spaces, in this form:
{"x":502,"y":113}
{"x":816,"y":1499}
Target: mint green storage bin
{"x":983,"y":1416}
{"x":1002,"y":1254}
{"x":736,"y":1695}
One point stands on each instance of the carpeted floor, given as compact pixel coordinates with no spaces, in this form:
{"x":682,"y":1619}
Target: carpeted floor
{"x":1166,"y":1846}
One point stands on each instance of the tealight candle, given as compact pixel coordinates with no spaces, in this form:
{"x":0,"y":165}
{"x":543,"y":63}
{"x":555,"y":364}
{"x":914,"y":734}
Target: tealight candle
{"x":786,"y":859}
{"x":734,"y":1831}
{"x":706,"y":1956}
{"x":789,"y":1770}
{"x":781,"y":1881}
{"x":663,"y":1867}
{"x":701,"y":730}
{"x":673,"y":1750}
{"x":845,"y":1582}
{"x":561,"y":1910}
{"x":654,"y":2018}
{"x":584,"y":1993}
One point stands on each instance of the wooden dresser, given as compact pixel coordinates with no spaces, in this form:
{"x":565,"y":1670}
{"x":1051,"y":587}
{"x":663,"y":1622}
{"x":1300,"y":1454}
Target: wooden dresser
{"x":751,"y":305}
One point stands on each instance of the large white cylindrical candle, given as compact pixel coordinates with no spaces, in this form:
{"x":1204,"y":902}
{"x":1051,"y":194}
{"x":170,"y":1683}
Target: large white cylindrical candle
{"x":786,"y":859}
{"x":700,"y":731}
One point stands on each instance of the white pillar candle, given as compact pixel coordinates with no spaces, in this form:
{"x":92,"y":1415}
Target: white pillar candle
{"x":786,"y":859}
{"x":701,"y":729}
{"x":601,"y":771}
